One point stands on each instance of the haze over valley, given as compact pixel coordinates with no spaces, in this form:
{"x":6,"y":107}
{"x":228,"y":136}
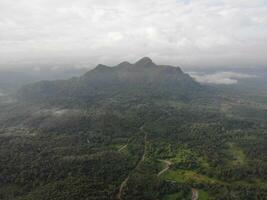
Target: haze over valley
{"x":133,"y":100}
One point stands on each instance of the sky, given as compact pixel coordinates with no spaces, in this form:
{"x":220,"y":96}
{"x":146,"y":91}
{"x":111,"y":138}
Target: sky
{"x":83,"y":33}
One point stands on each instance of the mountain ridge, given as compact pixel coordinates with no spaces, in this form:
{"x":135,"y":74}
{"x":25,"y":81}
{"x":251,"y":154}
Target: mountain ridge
{"x":142,"y":79}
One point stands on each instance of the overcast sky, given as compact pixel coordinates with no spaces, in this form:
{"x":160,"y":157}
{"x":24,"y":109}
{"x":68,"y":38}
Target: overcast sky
{"x":179,"y":32}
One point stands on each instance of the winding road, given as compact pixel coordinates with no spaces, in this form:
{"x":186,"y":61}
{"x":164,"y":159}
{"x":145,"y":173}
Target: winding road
{"x":123,"y":147}
{"x":167,"y":166}
{"x":124,"y":183}
{"x":194,"y":194}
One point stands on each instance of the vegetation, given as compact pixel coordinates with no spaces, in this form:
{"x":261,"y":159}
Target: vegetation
{"x":114,"y":146}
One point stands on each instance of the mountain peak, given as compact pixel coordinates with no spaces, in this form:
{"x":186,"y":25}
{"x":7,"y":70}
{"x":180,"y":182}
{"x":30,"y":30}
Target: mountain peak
{"x":124,"y":64}
{"x":101,"y":67}
{"x":143,"y":62}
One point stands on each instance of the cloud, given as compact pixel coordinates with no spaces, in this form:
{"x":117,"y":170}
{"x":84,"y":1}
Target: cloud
{"x":184,"y":32}
{"x":2,"y":94}
{"x":226,"y":78}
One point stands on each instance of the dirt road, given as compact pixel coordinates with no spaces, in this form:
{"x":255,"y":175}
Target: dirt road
{"x":124,"y":183}
{"x":194,"y":194}
{"x":167,"y":166}
{"x":123,"y":147}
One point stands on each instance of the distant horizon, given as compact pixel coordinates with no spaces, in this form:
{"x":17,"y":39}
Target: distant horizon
{"x":206,"y":75}
{"x":89,"y":66}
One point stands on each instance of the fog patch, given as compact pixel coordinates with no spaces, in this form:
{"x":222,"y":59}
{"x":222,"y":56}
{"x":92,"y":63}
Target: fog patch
{"x":57,"y":112}
{"x":9,"y":101}
{"x":226,"y":78}
{"x":60,"y":112}
{"x":5,"y":98}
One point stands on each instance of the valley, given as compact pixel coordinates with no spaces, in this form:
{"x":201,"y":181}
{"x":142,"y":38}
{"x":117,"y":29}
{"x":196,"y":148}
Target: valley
{"x":132,"y":131}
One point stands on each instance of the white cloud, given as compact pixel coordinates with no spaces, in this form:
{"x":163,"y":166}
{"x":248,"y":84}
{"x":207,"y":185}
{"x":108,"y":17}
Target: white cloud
{"x":185,"y":32}
{"x":226,"y":78}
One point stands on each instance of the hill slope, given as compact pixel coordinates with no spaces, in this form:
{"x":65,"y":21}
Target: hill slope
{"x":132,"y":132}
{"x":144,"y":79}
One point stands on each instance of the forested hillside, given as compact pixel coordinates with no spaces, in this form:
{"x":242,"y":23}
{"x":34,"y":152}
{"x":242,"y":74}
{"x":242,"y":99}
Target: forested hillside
{"x":133,"y":131}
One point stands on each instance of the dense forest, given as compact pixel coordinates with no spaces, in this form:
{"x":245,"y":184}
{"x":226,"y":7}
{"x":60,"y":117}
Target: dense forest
{"x":134,"y":131}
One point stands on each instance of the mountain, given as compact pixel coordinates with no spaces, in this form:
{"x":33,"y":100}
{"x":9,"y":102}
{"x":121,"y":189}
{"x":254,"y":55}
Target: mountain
{"x":133,"y":132}
{"x":143,"y":79}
